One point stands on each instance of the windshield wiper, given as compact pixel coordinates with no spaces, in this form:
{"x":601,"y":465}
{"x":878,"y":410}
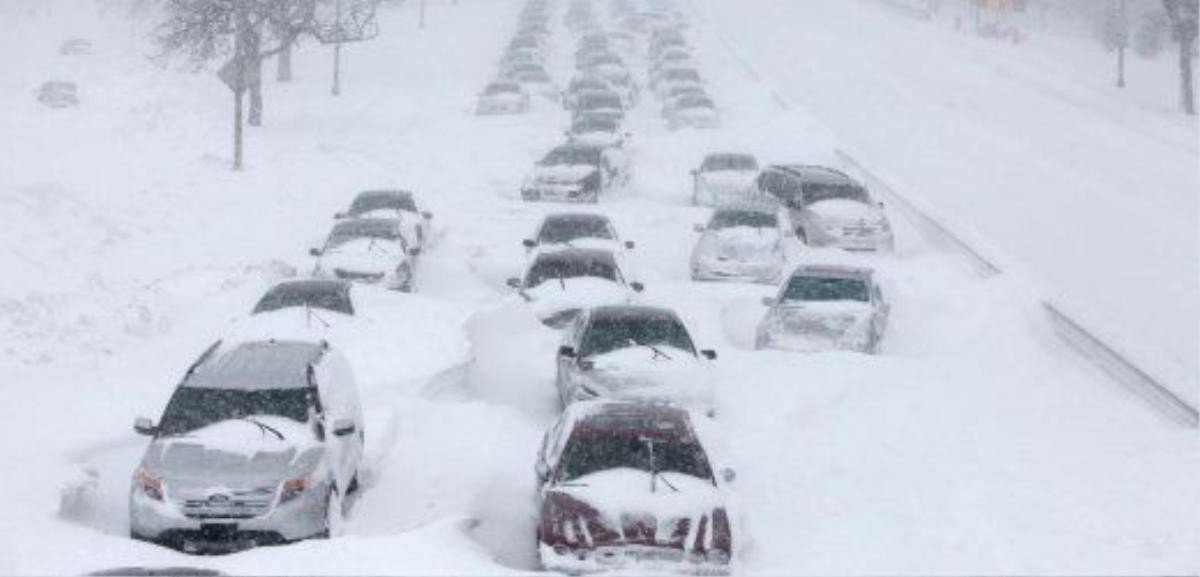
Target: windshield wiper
{"x":657,"y":351}
{"x":264,"y":427}
{"x":310,"y":315}
{"x":655,"y":474}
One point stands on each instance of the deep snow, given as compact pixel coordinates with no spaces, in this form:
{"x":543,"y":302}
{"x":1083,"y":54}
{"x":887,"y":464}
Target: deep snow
{"x":976,"y":443}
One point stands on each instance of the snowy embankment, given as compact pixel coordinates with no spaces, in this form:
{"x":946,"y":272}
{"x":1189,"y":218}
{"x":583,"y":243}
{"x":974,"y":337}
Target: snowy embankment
{"x":975,"y":444}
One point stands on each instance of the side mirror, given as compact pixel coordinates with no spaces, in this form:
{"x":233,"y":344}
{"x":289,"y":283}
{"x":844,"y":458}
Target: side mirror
{"x":513,"y":283}
{"x":414,"y":251}
{"x":768,"y":301}
{"x":698,"y":227}
{"x":543,"y":471}
{"x":427,"y":215}
{"x":344,"y":427}
{"x":709,"y":354}
{"x":728,"y":475}
{"x":529,"y":243}
{"x":566,"y":351}
{"x":637,"y":286}
{"x":630,"y":244}
{"x":144,"y":426}
{"x":314,"y":252}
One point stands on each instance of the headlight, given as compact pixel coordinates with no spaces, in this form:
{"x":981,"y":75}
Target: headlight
{"x":149,"y":486}
{"x":292,"y":488}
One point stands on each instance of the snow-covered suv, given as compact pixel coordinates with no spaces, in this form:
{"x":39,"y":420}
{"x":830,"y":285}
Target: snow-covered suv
{"x":629,"y":486}
{"x":258,"y":445}
{"x":740,"y":243}
{"x":828,"y":208}
{"x":825,"y":307}
{"x":576,"y":172}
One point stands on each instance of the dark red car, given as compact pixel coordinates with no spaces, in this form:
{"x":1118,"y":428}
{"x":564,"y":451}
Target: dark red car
{"x":628,"y":484}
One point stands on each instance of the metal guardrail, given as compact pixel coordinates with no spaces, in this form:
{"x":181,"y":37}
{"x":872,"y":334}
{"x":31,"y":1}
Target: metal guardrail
{"x":1086,"y":343}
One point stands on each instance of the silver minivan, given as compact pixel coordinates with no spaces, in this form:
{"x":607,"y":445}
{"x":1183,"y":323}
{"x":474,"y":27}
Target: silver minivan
{"x":259,"y":444}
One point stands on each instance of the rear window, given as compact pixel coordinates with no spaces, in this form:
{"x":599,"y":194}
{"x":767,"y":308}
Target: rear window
{"x":817,"y":192}
{"x":813,"y":288}
{"x":331,"y":297}
{"x":732,"y":218}
{"x":370,"y":202}
{"x":546,"y":269}
{"x":605,"y":335}
{"x":730,"y":162}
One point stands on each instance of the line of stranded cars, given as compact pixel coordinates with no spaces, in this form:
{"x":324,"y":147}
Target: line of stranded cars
{"x":262,"y":439}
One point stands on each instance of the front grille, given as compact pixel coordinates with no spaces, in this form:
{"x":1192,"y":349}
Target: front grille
{"x":245,"y":504}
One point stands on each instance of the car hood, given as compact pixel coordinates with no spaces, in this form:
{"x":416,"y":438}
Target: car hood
{"x":234,"y":454}
{"x":639,"y":373}
{"x":552,"y":297}
{"x":740,"y":243}
{"x":630,"y":511}
{"x":562,"y":173}
{"x":728,"y":180}
{"x":843,"y":210}
{"x":362,"y":256}
{"x":823,"y":320}
{"x":598,"y":138}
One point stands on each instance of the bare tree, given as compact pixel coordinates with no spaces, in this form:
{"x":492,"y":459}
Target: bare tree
{"x":1184,"y":15}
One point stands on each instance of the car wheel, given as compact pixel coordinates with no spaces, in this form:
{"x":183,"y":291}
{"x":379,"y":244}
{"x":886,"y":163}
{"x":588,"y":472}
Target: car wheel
{"x":801,"y":235}
{"x":334,"y":515}
{"x":405,"y":273}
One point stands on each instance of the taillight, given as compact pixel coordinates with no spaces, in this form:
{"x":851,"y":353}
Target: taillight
{"x":149,"y":486}
{"x":292,"y":488}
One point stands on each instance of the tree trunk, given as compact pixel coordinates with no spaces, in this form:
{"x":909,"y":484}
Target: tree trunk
{"x":1185,"y":76}
{"x":1120,"y":67}
{"x":284,"y":73}
{"x":256,"y":97}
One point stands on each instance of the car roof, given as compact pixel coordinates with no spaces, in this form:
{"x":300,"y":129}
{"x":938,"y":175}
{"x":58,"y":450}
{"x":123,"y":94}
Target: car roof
{"x":373,"y":224}
{"x":397,"y":194}
{"x":833,"y":271}
{"x":256,"y":366}
{"x":817,"y":174}
{"x":730,"y":155}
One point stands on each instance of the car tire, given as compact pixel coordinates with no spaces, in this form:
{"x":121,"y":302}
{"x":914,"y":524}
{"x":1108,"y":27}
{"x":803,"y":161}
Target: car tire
{"x":801,"y":235}
{"x":406,"y":285}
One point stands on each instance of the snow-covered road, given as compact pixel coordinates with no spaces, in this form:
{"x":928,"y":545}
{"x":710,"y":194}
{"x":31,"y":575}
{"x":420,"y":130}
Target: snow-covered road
{"x":975,"y":444}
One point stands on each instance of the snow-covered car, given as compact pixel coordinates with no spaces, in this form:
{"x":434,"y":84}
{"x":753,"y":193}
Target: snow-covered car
{"x":675,"y":76}
{"x":692,"y":110}
{"x":259,"y":445}
{"x":415,"y":222}
{"x":619,"y":79}
{"x":597,"y":131}
{"x":828,"y":208}
{"x":576,"y":230}
{"x":580,"y":85}
{"x":627,"y":351}
{"x":503,"y":97}
{"x":740,"y":243}
{"x":576,"y":172}
{"x":534,"y":79}
{"x":369,"y":250}
{"x":825,"y":307}
{"x":724,"y":177}
{"x":58,"y":94}
{"x":630,"y":487}
{"x":561,"y":282}
{"x":599,"y":104}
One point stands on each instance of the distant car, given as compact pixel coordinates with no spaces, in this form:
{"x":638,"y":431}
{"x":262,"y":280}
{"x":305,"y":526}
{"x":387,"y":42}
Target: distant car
{"x":828,"y":208}
{"x":825,"y":307}
{"x":576,"y":230}
{"x":597,"y":131}
{"x":629,"y":487}
{"x":694,"y":111}
{"x":580,"y":85}
{"x":503,"y":97}
{"x":58,"y":94}
{"x":561,"y":282}
{"x":605,"y":104}
{"x":260,"y":444}
{"x":625,"y":351}
{"x":619,"y":79}
{"x":534,"y":78}
{"x":368,"y":250}
{"x":75,"y":47}
{"x":415,"y":222}
{"x":327,"y":295}
{"x":576,"y":173}
{"x":724,"y":177}
{"x":740,"y":243}
{"x":669,"y":78}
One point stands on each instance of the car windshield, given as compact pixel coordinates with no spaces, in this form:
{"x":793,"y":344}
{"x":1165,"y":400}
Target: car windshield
{"x":594,"y":101}
{"x":571,"y":155}
{"x":192,"y":408}
{"x":387,"y":201}
{"x":815,"y":288}
{"x":591,"y":452}
{"x":607,"y":334}
{"x":817,"y":192}
{"x":734,"y":218}
{"x":497,"y":89}
{"x":358,"y":229}
{"x":329,"y":296}
{"x":694,"y":101}
{"x":682,"y":74}
{"x":730,"y":162}
{"x":556,"y":268}
{"x":559,"y":230}
{"x":594,"y":124}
